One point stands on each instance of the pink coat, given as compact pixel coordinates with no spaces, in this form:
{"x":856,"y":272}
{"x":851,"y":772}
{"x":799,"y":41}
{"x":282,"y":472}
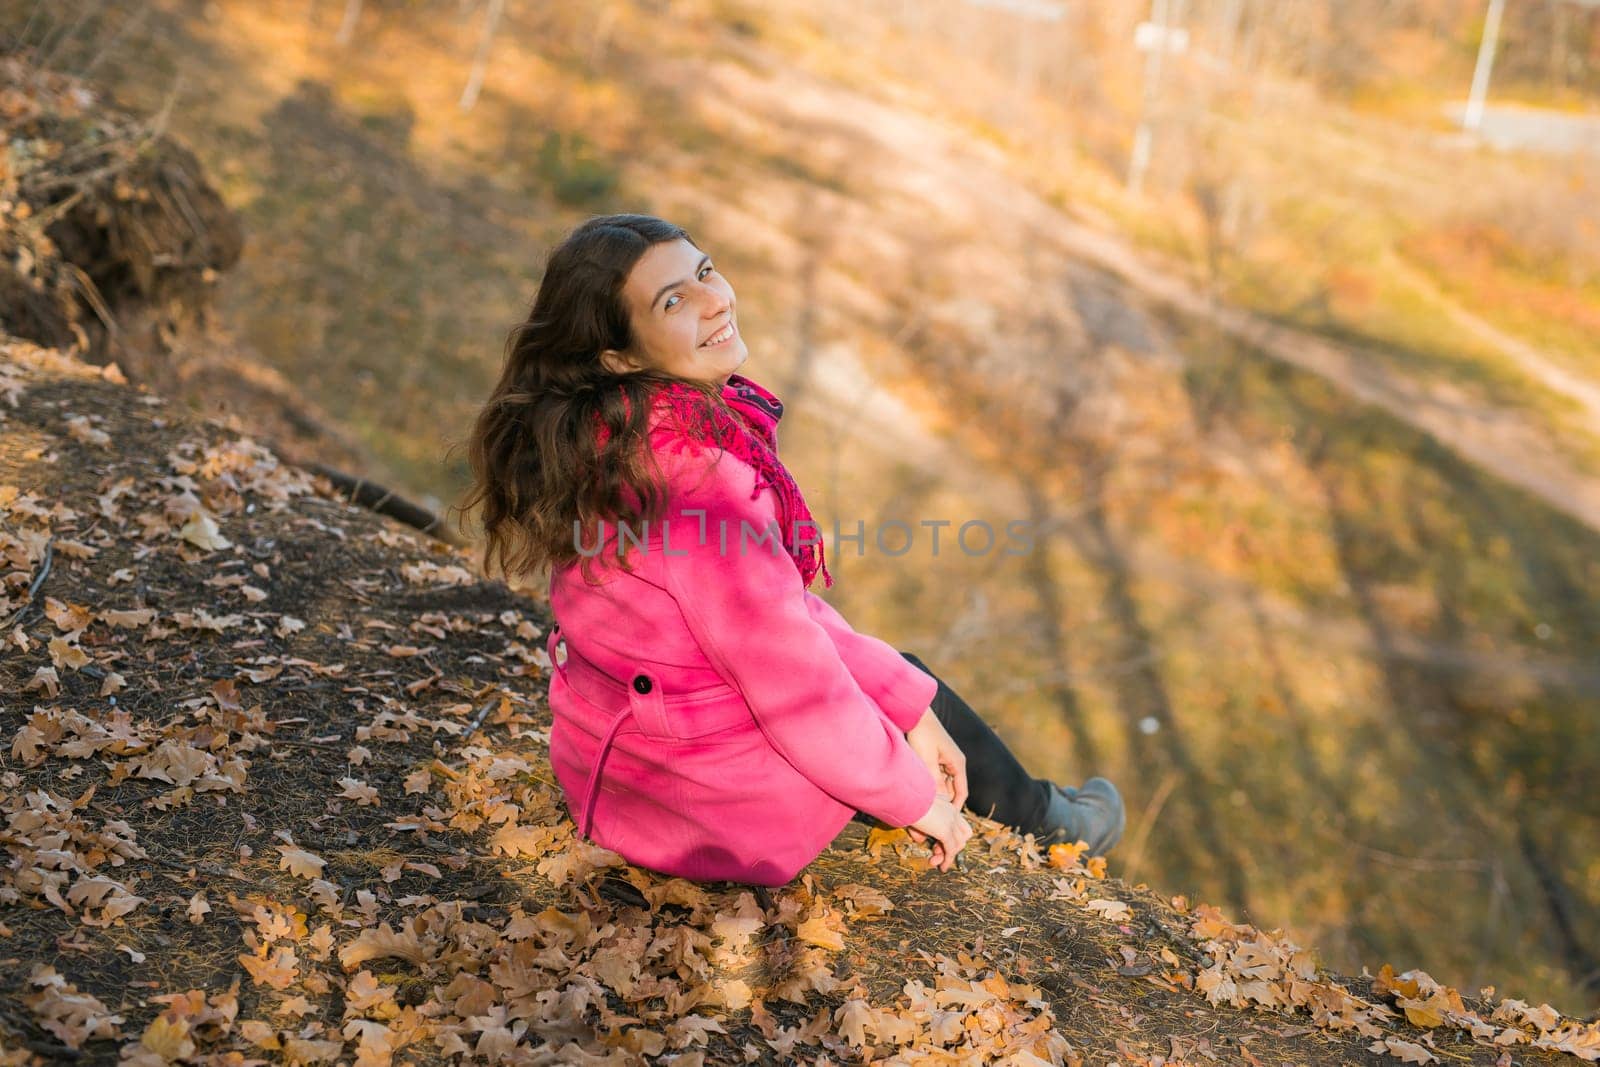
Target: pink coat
{"x":714,"y":719}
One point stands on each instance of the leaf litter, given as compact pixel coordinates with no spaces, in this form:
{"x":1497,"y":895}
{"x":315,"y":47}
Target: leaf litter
{"x":313,"y":821}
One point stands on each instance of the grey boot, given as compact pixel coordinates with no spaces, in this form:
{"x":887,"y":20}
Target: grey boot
{"x":1093,"y":814}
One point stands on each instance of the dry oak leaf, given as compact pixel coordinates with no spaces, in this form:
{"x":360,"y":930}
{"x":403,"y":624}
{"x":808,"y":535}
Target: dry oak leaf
{"x":277,"y":971}
{"x":424,"y":573}
{"x":1580,"y":1041}
{"x":865,"y":901}
{"x":577,"y":861}
{"x":79,"y":429}
{"x":375,"y":1042}
{"x":259,"y":1033}
{"x":355,"y":789}
{"x":1407,"y":1051}
{"x":47,"y":679}
{"x":166,"y":1039}
{"x":129,"y":619}
{"x":1217,"y":986}
{"x":737,"y":929}
{"x":1115,"y":910}
{"x":734,"y":994}
{"x":692,"y":1029}
{"x":113,"y":898}
{"x":201,"y":619}
{"x":878,"y":837}
{"x":821,"y":928}
{"x":72,"y":1016}
{"x":1065,"y":856}
{"x":515,"y":840}
{"x":853,"y":1017}
{"x":311,"y":1050}
{"x":69,"y":618}
{"x":203,"y":1015}
{"x":380,"y":943}
{"x":1429,"y":1012}
{"x":299,"y":862}
{"x":366,"y":996}
{"x":65,"y":653}
{"x":320,"y":942}
{"x":202,"y":532}
{"x":1543,"y":1018}
{"x":76,"y":549}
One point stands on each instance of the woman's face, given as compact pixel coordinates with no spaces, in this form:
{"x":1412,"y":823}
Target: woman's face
{"x":677,"y":301}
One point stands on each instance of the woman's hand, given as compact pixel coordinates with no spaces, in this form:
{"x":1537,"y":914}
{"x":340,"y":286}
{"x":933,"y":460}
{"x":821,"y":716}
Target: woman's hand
{"x":950,"y":832}
{"x":933,"y":743}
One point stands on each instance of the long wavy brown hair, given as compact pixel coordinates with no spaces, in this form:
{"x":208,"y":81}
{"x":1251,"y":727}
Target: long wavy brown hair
{"x":539,"y":476}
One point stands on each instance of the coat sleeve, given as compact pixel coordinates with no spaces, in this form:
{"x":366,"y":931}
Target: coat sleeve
{"x":897,"y":686}
{"x":742,"y":597}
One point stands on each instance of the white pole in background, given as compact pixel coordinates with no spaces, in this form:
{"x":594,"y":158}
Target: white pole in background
{"x":1480,"y":72}
{"x":1153,"y":39}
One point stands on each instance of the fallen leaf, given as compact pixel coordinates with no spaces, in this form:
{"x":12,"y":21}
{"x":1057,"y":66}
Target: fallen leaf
{"x":299,"y":862}
{"x":1115,"y":910}
{"x":818,"y":930}
{"x":363,"y":794}
{"x":64,"y":653}
{"x":202,"y":532}
{"x":1406,"y":1051}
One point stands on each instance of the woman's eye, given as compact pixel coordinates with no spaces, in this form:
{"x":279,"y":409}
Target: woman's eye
{"x":666,"y":305}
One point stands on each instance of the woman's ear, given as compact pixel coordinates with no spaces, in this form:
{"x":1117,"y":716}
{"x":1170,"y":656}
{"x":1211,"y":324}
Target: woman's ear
{"x":616,"y":362}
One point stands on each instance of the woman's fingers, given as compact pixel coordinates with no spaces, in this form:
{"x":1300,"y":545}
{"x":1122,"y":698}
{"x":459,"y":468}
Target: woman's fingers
{"x":954,"y":767}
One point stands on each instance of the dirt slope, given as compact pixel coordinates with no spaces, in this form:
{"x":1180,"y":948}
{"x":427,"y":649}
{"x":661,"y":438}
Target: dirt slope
{"x":275,"y":789}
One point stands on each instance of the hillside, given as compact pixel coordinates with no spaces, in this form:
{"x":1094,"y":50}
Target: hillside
{"x":275,"y":789}
{"x":1332,"y":635}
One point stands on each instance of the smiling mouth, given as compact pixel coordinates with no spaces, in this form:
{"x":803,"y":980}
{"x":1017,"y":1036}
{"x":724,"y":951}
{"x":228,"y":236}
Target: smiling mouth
{"x":721,"y":337}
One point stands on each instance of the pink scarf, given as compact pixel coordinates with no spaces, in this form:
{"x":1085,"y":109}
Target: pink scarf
{"x":753,"y":437}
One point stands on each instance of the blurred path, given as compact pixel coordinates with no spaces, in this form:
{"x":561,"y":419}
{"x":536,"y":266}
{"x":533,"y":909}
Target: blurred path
{"x":1532,"y":129}
{"x":1502,"y":442}
{"x":1532,"y":361}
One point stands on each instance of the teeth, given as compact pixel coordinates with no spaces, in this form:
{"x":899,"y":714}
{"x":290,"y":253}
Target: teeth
{"x":718,"y":337}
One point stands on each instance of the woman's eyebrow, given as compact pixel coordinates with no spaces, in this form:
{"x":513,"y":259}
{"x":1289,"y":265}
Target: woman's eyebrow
{"x":680,"y":281}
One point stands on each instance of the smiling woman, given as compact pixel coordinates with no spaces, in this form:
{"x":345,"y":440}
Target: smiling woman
{"x":712,"y":718}
{"x":682,"y":311}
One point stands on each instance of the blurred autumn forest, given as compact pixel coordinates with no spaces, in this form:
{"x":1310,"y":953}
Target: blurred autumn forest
{"x":1306,"y":414}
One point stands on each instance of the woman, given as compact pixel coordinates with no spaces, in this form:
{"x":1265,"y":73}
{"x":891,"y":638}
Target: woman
{"x":713,"y":718}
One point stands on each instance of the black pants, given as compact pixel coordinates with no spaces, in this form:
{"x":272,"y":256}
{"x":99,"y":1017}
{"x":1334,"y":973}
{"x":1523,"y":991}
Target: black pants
{"x":997,"y":785}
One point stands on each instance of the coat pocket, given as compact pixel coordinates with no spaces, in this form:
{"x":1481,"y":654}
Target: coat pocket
{"x":684,"y":716}
{"x":657,"y":714}
{"x":709,"y":712}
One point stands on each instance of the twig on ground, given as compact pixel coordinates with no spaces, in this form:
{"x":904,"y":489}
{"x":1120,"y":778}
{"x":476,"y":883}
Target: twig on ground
{"x":33,"y":586}
{"x":209,"y":869}
{"x":483,"y":713}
